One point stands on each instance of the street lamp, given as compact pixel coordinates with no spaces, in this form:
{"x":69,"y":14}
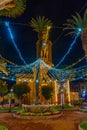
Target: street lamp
{"x":11,"y":90}
{"x":62,"y":98}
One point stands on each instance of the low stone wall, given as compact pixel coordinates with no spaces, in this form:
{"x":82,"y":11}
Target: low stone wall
{"x":37,"y":117}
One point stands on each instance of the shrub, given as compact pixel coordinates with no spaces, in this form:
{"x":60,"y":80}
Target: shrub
{"x":3,"y":128}
{"x":84,"y":125}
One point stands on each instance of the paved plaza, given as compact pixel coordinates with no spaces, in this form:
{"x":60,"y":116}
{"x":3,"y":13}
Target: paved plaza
{"x":68,"y":121}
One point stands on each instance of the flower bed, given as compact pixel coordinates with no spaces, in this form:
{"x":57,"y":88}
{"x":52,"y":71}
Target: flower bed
{"x":38,"y":115}
{"x":38,"y":112}
{"x":23,"y":113}
{"x":6,"y":109}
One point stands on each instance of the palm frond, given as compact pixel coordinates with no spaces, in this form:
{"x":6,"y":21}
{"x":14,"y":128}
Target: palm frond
{"x":76,"y":23}
{"x":70,"y":33}
{"x":40,"y":24}
{"x":18,"y":9}
{"x":68,"y":28}
{"x":76,"y":20}
{"x":85,"y":18}
{"x":69,"y":25}
{"x":79,"y":19}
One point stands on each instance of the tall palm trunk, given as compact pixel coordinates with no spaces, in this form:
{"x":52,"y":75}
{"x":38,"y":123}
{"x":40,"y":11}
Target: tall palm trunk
{"x":84,"y":42}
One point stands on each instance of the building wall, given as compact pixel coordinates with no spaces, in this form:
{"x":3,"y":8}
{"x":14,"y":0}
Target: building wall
{"x":74,"y":96}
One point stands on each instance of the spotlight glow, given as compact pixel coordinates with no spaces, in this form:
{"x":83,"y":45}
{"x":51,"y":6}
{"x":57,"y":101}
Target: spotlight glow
{"x":79,"y":30}
{"x":44,"y":44}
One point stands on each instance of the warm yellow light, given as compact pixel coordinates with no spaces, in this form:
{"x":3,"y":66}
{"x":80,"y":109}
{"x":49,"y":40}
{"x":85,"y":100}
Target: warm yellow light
{"x":19,"y":79}
{"x":48,"y":27}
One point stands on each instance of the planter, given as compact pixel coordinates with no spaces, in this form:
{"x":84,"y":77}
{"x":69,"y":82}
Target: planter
{"x":38,"y":117}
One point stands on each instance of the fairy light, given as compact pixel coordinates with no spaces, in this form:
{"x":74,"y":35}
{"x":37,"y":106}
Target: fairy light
{"x":26,"y":73}
{"x":12,"y":38}
{"x":68,"y":67}
{"x":70,"y":48}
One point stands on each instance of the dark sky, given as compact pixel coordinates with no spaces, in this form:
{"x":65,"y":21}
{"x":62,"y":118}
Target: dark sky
{"x":57,"y":11}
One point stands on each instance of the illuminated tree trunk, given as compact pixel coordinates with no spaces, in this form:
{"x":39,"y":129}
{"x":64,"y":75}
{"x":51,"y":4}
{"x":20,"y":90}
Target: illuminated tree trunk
{"x":84,"y":42}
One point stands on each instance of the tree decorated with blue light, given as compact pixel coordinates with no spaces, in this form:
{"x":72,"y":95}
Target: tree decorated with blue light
{"x":78,"y":25}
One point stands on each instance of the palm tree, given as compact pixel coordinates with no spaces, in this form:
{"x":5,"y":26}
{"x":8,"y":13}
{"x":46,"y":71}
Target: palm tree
{"x":41,"y":25}
{"x":12,"y":8}
{"x":78,"y":25}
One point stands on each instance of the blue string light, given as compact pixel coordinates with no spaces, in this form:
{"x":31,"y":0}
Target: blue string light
{"x":12,"y":38}
{"x":29,"y":72}
{"x":85,"y":66}
{"x":70,"y":48}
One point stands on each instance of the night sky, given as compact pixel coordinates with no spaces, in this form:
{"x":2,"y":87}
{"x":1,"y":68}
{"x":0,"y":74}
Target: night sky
{"x":57,"y":11}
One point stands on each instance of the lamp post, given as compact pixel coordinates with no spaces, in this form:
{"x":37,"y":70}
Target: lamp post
{"x":11,"y":90}
{"x":62,"y":98}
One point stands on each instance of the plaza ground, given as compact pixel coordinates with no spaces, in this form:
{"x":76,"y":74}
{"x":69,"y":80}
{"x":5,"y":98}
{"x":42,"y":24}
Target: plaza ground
{"x":68,"y":121}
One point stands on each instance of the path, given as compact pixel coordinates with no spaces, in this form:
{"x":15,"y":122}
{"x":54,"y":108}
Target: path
{"x":69,"y":121}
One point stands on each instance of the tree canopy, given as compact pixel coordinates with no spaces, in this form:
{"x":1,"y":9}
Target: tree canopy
{"x":47,"y":92}
{"x":13,"y":8}
{"x":3,"y":87}
{"x":41,"y":24}
{"x":76,"y":24}
{"x":21,"y":89}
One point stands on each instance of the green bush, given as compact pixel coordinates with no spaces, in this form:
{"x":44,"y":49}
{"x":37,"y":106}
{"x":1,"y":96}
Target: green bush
{"x":83,"y":125}
{"x":67,"y":106}
{"x":57,"y":108}
{"x":54,"y":109}
{"x":3,"y":128}
{"x":13,"y":109}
